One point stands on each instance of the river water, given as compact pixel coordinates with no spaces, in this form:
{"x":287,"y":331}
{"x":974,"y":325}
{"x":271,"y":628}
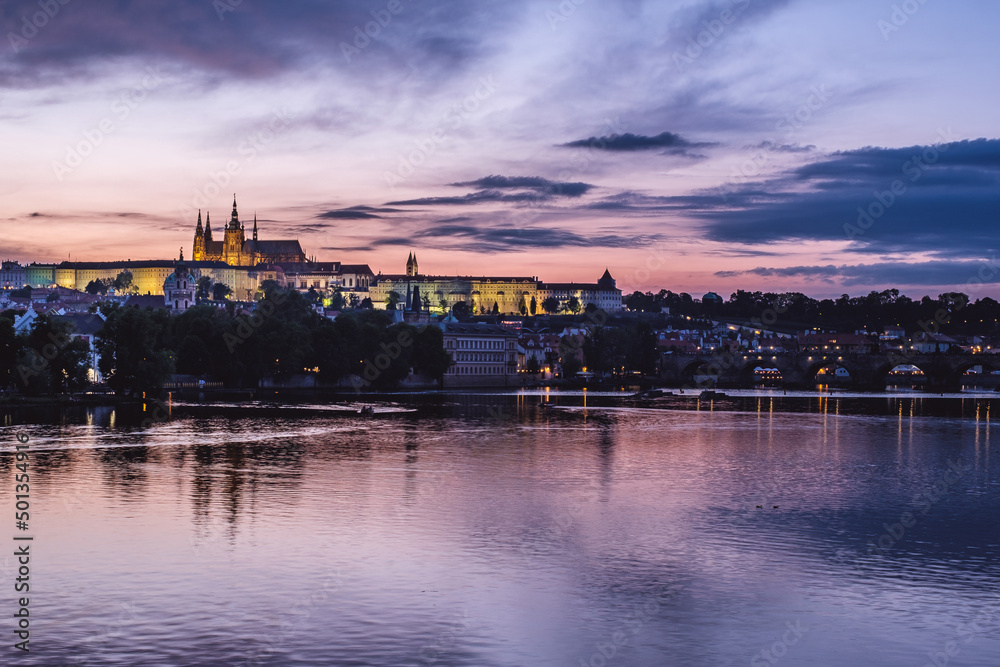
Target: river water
{"x":485,"y":530}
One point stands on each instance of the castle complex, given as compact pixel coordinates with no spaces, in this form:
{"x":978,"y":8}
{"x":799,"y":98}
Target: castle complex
{"x":510,"y":294}
{"x":236,"y":250}
{"x":243,"y":264}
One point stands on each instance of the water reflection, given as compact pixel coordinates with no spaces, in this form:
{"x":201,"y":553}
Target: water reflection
{"x":486,"y":530}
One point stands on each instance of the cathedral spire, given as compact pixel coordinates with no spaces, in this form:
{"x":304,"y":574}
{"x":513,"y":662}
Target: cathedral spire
{"x":234,"y":221}
{"x":198,"y":230}
{"x":208,"y":227}
{"x":255,"y":225}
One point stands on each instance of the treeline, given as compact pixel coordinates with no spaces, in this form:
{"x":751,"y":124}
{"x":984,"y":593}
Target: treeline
{"x":43,"y":361}
{"x":141,"y":348}
{"x":952,"y":312}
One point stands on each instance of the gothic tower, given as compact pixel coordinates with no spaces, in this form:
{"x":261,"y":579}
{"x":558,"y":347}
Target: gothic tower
{"x":411,"y":265}
{"x":199,"y":241}
{"x":233,"y":248}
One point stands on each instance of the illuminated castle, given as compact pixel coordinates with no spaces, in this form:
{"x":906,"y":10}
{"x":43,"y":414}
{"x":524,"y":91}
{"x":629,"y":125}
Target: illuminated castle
{"x":236,"y":250}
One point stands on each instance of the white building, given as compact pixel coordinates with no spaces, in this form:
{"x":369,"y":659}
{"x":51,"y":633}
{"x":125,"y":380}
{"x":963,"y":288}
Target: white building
{"x":179,"y":288}
{"x":482,"y":355}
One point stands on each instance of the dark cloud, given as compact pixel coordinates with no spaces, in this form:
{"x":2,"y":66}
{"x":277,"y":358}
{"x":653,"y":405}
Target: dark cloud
{"x":945,"y":201}
{"x":771,"y":146}
{"x":529,"y":183}
{"x":971,"y":273}
{"x":495,"y":239}
{"x":356,"y":213}
{"x":489,"y":237}
{"x":668,"y":141}
{"x":247,"y":40}
{"x":504,"y":189}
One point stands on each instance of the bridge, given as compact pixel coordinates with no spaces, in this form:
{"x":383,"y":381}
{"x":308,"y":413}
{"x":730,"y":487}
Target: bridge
{"x":868,"y":371}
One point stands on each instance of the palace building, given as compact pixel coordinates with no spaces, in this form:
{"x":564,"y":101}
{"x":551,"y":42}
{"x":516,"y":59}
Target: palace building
{"x":510,"y":294}
{"x":236,"y":250}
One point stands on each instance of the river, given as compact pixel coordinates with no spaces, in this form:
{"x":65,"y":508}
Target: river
{"x":484,"y":530}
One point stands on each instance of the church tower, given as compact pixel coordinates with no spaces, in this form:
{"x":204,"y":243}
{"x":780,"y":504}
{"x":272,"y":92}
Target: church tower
{"x":199,"y":241}
{"x":411,"y":265}
{"x":232,"y":252}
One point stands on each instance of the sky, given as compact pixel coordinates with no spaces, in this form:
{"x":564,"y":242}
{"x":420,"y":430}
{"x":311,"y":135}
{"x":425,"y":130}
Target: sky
{"x":775,"y":145}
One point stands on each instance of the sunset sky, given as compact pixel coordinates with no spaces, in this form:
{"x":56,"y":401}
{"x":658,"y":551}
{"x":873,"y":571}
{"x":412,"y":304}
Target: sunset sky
{"x":692,"y":145}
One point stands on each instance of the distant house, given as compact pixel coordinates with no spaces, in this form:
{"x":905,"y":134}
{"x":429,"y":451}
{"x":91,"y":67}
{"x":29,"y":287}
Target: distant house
{"x":482,"y":355}
{"x":145,"y":301}
{"x":827,"y":343}
{"x":929,"y":343}
{"x":85,"y":326}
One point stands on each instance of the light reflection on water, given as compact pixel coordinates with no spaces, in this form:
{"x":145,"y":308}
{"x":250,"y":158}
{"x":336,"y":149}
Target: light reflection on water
{"x":487,"y":531}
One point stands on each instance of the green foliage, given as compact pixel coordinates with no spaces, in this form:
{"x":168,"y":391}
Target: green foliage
{"x":123,"y":282}
{"x":460,"y":310}
{"x":49,"y":360}
{"x":391,"y":299}
{"x":203,"y":288}
{"x":337,"y":300}
{"x":532,"y":365}
{"x":96,"y":287}
{"x":11,"y":348}
{"x":573,"y":305}
{"x":22,"y":293}
{"x":550,"y":305}
{"x":134,"y":359}
{"x":614,"y":350}
{"x":533,"y":306}
{"x":220,"y":291}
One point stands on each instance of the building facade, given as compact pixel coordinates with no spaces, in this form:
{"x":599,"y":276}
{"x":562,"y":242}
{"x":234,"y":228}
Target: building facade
{"x":482,"y":355}
{"x":179,"y":288}
{"x":510,"y":294}
{"x":148,"y":276}
{"x":236,"y":250}
{"x":12,"y":275}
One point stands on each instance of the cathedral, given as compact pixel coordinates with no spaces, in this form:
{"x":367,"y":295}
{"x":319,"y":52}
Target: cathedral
{"x":236,"y":250}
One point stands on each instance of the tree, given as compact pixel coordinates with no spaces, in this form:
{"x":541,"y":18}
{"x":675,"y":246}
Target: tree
{"x":391,"y":299}
{"x":429,"y":355}
{"x":11,"y":348}
{"x":366,"y":304}
{"x":51,"y":360}
{"x":524,"y":309}
{"x":550,"y":305}
{"x":460,"y":310}
{"x":123,"y":282}
{"x":354,"y":301}
{"x":496,"y":308}
{"x":220,"y":291}
{"x":532,"y":365}
{"x":570,"y":366}
{"x":203,"y":289}
{"x":443,"y":303}
{"x":573,"y":305}
{"x":337,"y":301}
{"x":96,"y":287}
{"x":133,"y":359}
{"x":591,"y":307}
{"x":23,"y":293}
{"x":533,"y":307}
{"x":53,"y":296}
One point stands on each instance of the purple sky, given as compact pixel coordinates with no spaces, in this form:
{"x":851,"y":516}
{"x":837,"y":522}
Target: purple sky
{"x":692,"y":146}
